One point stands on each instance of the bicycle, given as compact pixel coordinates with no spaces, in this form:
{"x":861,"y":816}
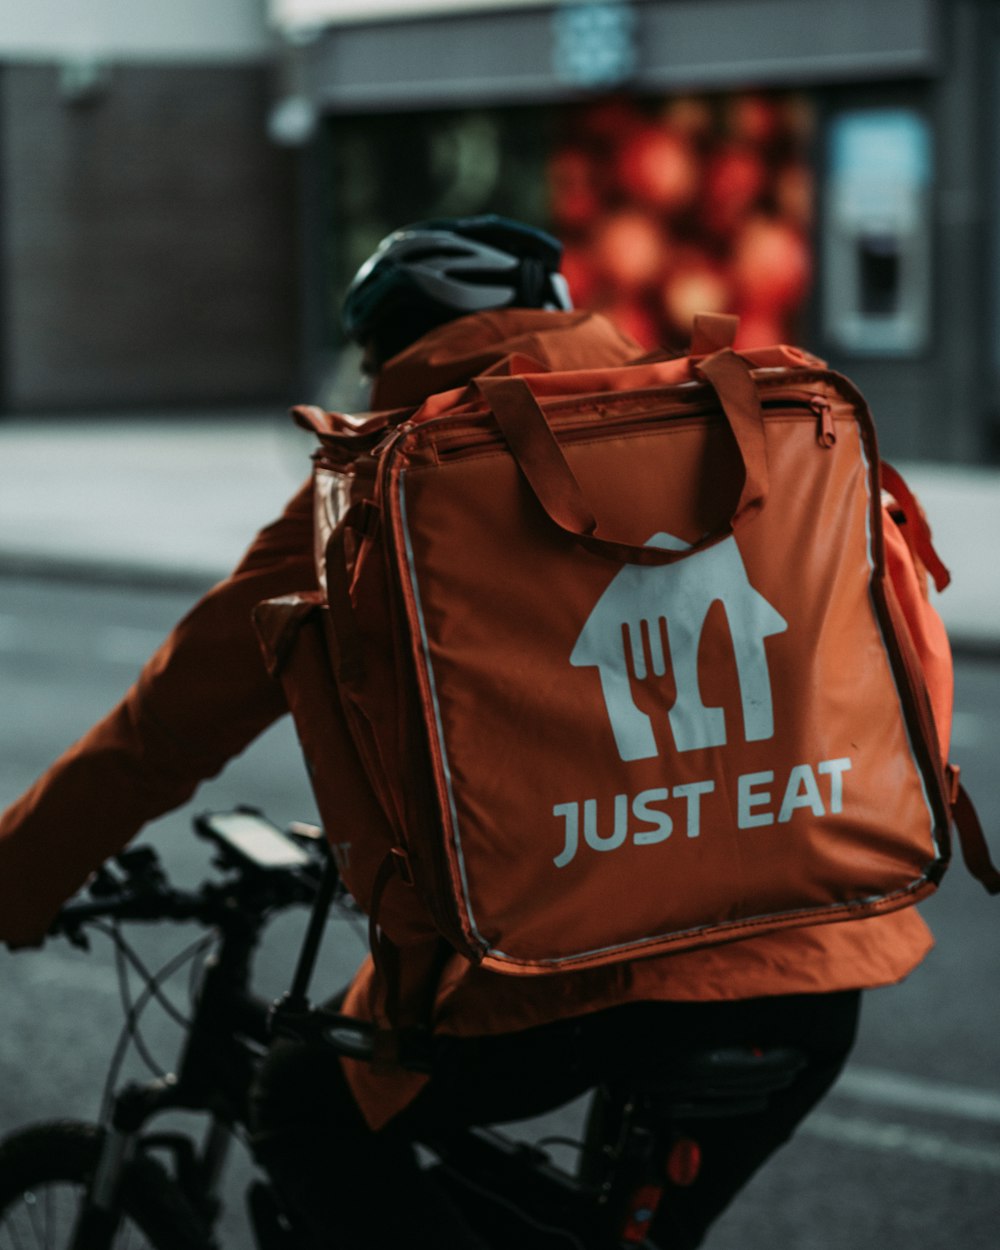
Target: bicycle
{"x":81,"y":1186}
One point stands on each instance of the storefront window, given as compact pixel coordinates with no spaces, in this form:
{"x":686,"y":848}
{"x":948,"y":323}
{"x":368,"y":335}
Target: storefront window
{"x":666,"y":207}
{"x":386,"y":170}
{"x":699,"y":204}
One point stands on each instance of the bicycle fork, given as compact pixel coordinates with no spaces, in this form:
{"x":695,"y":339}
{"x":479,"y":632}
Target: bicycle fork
{"x":125,"y":1146}
{"x":100,"y":1213}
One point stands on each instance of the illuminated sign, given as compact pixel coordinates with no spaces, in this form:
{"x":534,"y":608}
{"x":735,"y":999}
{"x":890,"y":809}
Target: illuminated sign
{"x":296,"y":14}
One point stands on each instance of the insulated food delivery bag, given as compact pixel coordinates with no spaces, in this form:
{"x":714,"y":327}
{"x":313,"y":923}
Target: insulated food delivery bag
{"x":620,"y":660}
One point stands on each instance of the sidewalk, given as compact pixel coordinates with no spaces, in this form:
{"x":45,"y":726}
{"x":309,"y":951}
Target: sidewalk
{"x":175,"y":500}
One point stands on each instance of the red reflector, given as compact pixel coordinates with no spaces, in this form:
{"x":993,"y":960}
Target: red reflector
{"x":640,"y":1213}
{"x":684,"y":1162}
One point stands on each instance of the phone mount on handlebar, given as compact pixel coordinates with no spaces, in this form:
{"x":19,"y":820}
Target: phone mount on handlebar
{"x":244,"y":838}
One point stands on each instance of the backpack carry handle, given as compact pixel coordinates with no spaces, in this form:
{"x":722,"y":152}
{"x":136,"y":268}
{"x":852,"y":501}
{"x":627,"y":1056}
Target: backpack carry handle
{"x":533,"y":444}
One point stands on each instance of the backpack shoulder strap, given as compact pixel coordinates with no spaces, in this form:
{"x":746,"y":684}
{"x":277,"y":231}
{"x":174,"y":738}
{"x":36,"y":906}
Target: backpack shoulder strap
{"x":972,"y":840}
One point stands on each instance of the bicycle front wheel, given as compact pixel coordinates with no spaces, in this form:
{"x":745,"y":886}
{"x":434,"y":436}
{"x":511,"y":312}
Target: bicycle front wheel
{"x":44,"y":1174}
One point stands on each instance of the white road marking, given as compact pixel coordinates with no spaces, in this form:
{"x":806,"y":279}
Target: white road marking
{"x":901,"y":1139}
{"x":891,"y":1089}
{"x":879,"y":1088}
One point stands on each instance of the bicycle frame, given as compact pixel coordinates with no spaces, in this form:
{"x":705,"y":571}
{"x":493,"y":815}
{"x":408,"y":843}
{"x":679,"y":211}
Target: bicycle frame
{"x":610,"y":1201}
{"x":227,"y":1037}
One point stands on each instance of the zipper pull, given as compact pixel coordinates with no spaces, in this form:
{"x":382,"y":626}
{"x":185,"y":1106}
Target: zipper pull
{"x":394,"y":432}
{"x":826,"y":434}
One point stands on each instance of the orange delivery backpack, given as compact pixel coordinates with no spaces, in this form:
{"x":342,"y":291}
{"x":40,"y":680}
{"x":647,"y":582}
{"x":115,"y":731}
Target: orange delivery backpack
{"x":608,"y":663}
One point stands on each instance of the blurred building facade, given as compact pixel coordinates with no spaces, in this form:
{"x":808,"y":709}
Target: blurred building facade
{"x":827,"y":170}
{"x":184,"y":189}
{"x":146,"y":220}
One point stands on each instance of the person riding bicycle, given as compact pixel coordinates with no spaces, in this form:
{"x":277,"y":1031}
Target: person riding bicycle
{"x":439,"y":303}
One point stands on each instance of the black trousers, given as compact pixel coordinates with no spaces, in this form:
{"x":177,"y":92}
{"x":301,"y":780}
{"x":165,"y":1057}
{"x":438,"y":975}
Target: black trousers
{"x":351,"y":1187}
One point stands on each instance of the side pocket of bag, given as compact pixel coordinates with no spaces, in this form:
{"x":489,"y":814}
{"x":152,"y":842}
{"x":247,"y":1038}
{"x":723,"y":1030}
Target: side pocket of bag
{"x":293,"y":636}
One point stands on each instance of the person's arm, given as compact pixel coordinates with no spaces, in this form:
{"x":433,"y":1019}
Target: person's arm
{"x":201,"y":699}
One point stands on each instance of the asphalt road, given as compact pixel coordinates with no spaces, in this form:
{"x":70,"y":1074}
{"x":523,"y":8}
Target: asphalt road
{"x":906,"y":1151}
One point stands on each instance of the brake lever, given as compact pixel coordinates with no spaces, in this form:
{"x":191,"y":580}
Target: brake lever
{"x":142,"y":869}
{"x":70,"y":927}
{"x":104,"y":883}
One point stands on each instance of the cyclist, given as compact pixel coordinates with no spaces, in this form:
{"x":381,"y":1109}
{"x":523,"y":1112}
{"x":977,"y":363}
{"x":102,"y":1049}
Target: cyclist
{"x":439,"y":303}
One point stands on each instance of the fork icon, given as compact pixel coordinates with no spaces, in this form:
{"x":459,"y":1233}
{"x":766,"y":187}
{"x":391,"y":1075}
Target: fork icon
{"x":646,"y":607}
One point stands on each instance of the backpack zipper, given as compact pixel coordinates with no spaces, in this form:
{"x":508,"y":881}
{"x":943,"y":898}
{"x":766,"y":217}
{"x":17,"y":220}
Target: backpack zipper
{"x":449,"y":921}
{"x":453,"y":435}
{"x":392,"y":434}
{"x":826,"y":435}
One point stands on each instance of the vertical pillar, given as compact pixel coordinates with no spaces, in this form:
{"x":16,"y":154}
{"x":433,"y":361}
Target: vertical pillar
{"x":962,"y":328}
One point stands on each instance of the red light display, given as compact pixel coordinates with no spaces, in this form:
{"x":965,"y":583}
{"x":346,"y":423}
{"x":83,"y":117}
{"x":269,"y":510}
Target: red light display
{"x":701,"y":204}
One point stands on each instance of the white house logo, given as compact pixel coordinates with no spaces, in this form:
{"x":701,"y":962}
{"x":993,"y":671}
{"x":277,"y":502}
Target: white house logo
{"x":624,"y":636}
{"x":624,"y":640}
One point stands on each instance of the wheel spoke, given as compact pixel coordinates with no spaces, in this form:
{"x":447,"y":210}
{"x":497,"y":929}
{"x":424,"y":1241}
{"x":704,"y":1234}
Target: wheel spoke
{"x":45,"y":1173}
{"x":15,"y":1237}
{"x":43,"y":1219}
{"x":49,"y":1219}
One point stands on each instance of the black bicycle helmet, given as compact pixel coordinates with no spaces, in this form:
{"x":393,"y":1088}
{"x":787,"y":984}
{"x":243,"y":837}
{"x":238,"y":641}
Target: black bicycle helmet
{"x":425,"y":274}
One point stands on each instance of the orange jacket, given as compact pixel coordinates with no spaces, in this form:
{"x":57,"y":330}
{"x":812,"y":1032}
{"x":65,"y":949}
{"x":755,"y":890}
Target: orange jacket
{"x":205,"y":694}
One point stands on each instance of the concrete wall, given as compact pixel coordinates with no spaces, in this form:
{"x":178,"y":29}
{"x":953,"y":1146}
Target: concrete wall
{"x":132,"y":30}
{"x":146,"y":240}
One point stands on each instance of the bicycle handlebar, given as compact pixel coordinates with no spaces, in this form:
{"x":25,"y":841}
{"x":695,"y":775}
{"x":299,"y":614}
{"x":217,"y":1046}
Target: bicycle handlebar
{"x":135,"y":886}
{"x":263,"y":870}
{"x":168,"y":904}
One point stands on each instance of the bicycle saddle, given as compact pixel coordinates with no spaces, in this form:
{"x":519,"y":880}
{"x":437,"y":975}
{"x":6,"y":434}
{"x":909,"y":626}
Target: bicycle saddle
{"x":721,"y":1080}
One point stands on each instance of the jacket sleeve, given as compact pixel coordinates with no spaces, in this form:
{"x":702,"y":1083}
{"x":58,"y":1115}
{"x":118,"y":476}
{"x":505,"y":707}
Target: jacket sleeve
{"x":202,"y":697}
